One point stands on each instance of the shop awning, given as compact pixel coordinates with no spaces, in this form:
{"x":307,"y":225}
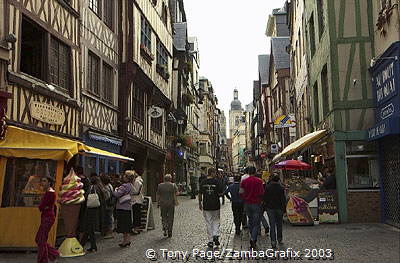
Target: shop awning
{"x":95,"y":151}
{"x":22,"y":143}
{"x":300,"y":143}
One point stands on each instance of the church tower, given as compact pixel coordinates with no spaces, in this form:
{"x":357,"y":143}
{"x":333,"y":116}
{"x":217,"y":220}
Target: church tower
{"x":235,"y":113}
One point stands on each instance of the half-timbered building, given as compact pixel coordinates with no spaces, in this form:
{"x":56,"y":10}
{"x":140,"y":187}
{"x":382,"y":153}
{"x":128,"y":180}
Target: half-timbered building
{"x":43,"y":74}
{"x":144,"y":84}
{"x":100,"y":61}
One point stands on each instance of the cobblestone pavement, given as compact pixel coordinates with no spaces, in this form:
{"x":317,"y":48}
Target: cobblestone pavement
{"x":348,"y":242}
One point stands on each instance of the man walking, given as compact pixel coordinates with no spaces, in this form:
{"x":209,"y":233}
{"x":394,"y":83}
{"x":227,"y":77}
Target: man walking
{"x":166,"y":196}
{"x":232,"y":193}
{"x":210,"y":192}
{"x":275,"y":203}
{"x":252,"y":191}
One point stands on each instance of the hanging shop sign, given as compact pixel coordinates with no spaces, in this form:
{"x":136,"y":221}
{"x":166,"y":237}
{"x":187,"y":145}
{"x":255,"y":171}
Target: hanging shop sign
{"x":284,"y":121}
{"x":47,"y":113}
{"x":155,"y":112}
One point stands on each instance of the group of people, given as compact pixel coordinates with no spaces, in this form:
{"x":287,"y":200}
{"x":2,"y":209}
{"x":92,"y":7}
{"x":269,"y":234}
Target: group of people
{"x":120,"y":201}
{"x":250,"y":197}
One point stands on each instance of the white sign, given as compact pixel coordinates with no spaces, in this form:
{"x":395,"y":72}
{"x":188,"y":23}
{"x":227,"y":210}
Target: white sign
{"x":155,"y":112}
{"x":47,"y":113}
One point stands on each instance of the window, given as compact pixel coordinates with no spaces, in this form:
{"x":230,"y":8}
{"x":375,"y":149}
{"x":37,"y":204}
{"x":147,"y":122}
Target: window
{"x":362,"y":165}
{"x":145,"y":39}
{"x":90,"y":165}
{"x":108,"y":13}
{"x":108,"y":83}
{"x":138,"y":104}
{"x":93,"y":77}
{"x":60,"y":67}
{"x":316,"y":104}
{"x":95,"y":6}
{"x":22,"y":181}
{"x":162,"y":55}
{"x":32,"y":50}
{"x":312,"y":35}
{"x":325,"y":90}
{"x":320,"y":11}
{"x":156,"y":125}
{"x":203,"y":148}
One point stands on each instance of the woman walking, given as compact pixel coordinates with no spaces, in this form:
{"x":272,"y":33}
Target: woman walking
{"x":47,"y":208}
{"x":92,"y":213}
{"x":124,"y":207}
{"x":109,"y":207}
{"x":137,"y":200}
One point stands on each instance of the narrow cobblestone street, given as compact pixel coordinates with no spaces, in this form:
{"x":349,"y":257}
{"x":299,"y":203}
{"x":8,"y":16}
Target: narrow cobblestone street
{"x":349,"y":242}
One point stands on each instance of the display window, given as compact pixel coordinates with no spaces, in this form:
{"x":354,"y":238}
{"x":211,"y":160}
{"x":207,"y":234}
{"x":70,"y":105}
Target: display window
{"x":113,"y":167}
{"x":362,"y":165}
{"x":22,"y":187}
{"x":90,"y":165}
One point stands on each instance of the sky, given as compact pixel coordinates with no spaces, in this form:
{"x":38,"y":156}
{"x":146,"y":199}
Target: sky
{"x":231,"y":35}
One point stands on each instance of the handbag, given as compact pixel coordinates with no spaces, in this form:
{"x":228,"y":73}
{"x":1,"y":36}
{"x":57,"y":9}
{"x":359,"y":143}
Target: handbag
{"x":93,"y":200}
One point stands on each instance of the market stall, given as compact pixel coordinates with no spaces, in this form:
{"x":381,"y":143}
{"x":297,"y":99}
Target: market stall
{"x":26,"y":156}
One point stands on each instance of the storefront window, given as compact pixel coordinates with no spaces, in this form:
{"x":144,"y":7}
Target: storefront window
{"x":362,"y":172}
{"x":113,"y":167}
{"x":90,"y":165}
{"x":22,"y":181}
{"x":102,"y":166}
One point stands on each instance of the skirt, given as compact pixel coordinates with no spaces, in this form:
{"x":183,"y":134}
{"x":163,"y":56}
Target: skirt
{"x":124,"y":221}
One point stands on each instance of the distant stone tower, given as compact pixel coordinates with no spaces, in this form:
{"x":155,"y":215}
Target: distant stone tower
{"x":235,"y":113}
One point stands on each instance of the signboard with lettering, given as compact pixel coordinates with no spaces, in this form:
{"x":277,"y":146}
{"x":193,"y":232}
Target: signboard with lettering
{"x":389,"y":109}
{"x":383,"y":128}
{"x":328,"y":210}
{"x":386,"y":75}
{"x":47,"y":113}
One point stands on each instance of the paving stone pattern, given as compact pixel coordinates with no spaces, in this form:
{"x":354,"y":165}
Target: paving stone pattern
{"x":348,"y":242}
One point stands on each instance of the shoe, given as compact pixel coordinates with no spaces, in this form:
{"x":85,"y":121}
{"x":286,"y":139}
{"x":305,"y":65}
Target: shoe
{"x":280,"y":242}
{"x":237,"y":232}
{"x":253,"y":244}
{"x":216,"y":240}
{"x":135,"y":232}
{"x":92,"y":250}
{"x":165,"y":233}
{"x":169,"y":235}
{"x":108,"y":236}
{"x":122,"y":245}
{"x":267,"y":231}
{"x":273,"y":244}
{"x":210,"y":244}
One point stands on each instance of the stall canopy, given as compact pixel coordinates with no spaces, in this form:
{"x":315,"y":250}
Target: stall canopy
{"x":300,"y":143}
{"x":21,"y":143}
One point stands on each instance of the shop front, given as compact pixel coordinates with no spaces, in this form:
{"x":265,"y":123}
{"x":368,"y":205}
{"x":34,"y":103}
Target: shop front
{"x":26,"y":156}
{"x":386,"y":131}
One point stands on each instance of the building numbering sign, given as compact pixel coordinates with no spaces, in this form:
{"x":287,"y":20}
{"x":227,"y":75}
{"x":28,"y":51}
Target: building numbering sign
{"x":47,"y":113}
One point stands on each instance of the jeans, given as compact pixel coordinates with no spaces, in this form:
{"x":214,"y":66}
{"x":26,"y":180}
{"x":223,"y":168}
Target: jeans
{"x":238,"y":217}
{"x":254,"y":213}
{"x":275,"y":220}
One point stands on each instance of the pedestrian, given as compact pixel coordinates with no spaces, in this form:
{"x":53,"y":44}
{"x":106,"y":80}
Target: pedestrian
{"x":47,"y":209}
{"x":210,"y":192}
{"x":166,"y":199}
{"x":202,"y":177}
{"x":329,"y":182}
{"x":221,"y":180}
{"x":137,"y":201}
{"x":275,"y":203}
{"x":252,"y":192}
{"x":86,"y":186}
{"x":124,"y":207}
{"x":232,"y":193}
{"x":109,"y":207}
{"x":92,"y":213}
{"x":264,"y":221}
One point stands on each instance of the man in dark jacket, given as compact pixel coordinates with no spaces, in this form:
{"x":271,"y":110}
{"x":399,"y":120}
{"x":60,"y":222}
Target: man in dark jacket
{"x":275,"y":204}
{"x":232,"y":193}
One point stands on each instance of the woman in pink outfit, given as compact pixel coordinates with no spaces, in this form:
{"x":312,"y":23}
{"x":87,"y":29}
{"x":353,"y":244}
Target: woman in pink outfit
{"x":45,"y":251}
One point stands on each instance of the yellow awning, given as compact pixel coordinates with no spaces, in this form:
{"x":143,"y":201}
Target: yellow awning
{"x":19,"y":142}
{"x":300,"y":143}
{"x":95,"y":151}
{"x":23,"y":143}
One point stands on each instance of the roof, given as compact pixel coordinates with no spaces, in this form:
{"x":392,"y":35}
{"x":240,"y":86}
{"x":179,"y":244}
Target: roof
{"x":279,"y":11}
{"x":263,"y":68}
{"x":280,"y":56}
{"x":180,"y":36}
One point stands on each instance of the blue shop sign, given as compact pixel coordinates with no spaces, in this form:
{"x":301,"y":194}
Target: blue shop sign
{"x":384,"y":128}
{"x":386,"y":75}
